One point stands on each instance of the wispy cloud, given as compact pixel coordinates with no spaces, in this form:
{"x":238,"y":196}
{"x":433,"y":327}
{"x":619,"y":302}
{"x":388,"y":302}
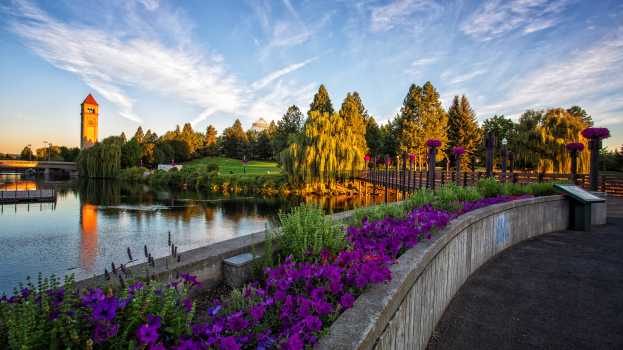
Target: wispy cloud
{"x":271,"y":77}
{"x":495,"y":18}
{"x":112,"y":63}
{"x":589,"y":77}
{"x":461,"y":78}
{"x":402,"y":12}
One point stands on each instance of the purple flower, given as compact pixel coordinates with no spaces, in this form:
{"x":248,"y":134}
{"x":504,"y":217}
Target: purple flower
{"x":93,"y":296}
{"x":229,"y":343}
{"x":257,"y":312}
{"x":135,"y":286}
{"x":187,"y":344}
{"x":190,"y":279}
{"x":433,"y":143}
{"x":347,"y":300}
{"x":596,"y":133}
{"x":188,"y":304}
{"x":294,"y":342}
{"x":575,"y":146}
{"x":105,"y":310}
{"x":147,"y":334}
{"x":104,"y":331}
{"x":458,"y":151}
{"x":236,"y":321}
{"x":25,"y":293}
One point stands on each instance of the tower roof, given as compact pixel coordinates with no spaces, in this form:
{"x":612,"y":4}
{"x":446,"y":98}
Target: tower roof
{"x":90,"y":100}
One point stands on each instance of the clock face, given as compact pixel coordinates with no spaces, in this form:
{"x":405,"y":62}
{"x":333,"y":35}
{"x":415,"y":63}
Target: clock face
{"x":91,"y":110}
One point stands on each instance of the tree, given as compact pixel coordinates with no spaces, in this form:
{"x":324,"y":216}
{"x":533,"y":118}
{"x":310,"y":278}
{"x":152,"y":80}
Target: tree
{"x":501,"y":127}
{"x":353,"y":132}
{"x":558,"y":128}
{"x":164,"y":153}
{"x":290,"y":123}
{"x":526,"y":144}
{"x":374,"y":137}
{"x":263,"y":148}
{"x":421,"y":118}
{"x":131,"y":153}
{"x":26,"y":153}
{"x":463,"y":130}
{"x":579,"y":112}
{"x":102,"y":160}
{"x":69,"y":154}
{"x":138,"y":135}
{"x":150,"y":137}
{"x":234,"y":140}
{"x":322,"y":102}
{"x":210,"y":138}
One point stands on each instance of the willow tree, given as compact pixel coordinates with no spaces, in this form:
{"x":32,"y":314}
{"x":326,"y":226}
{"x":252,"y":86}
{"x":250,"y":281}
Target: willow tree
{"x":421,"y":118}
{"x":100,"y":161}
{"x":527,"y":145}
{"x":558,"y":128}
{"x":322,"y":102}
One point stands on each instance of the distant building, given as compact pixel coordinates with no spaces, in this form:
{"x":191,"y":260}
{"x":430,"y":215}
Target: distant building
{"x":89,"y":113}
{"x":259,"y":125}
{"x":167,"y":167}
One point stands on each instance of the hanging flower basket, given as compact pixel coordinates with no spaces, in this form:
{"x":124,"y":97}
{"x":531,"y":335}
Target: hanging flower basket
{"x":596,"y":133}
{"x":575,"y":146}
{"x":458,"y":151}
{"x":433,"y":143}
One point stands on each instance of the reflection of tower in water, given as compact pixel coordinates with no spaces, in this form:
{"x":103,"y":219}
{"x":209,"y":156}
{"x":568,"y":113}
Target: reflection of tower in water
{"x":88,"y":236}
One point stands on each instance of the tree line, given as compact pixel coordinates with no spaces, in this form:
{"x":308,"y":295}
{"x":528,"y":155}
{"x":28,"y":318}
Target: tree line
{"x":313,"y":148}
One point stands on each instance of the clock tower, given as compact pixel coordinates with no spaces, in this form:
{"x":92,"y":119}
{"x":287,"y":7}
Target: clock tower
{"x":89,"y":112}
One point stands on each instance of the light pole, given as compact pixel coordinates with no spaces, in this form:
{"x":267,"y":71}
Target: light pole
{"x":504,"y":158}
{"x":49,"y":146}
{"x":29,"y":152}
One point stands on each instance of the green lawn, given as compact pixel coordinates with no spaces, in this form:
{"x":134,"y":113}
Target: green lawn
{"x":229,"y":165}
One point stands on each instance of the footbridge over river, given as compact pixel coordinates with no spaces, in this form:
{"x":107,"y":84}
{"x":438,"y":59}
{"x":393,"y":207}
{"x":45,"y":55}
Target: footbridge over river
{"x":44,"y":166}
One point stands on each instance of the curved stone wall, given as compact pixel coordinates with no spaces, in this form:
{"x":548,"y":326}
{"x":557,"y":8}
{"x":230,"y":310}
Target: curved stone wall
{"x":403,"y":313}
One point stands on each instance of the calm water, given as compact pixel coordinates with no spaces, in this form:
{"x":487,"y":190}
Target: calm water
{"x":92,"y":224}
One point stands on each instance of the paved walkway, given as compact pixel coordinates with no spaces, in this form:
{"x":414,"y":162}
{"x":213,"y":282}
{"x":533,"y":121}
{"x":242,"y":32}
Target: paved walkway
{"x":562,"y":290}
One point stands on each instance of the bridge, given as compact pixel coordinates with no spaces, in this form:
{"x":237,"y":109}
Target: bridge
{"x":46,"y":166}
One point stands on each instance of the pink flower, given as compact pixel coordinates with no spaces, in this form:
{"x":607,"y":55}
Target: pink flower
{"x":458,"y":151}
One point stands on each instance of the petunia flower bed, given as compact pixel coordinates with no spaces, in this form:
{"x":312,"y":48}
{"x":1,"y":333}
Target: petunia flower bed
{"x":289,"y":308}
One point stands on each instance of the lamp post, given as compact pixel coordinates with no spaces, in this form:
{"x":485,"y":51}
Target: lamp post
{"x":432,"y":154}
{"x":29,"y":152}
{"x":489,"y":142}
{"x":504,"y":158}
{"x":458,"y":152}
{"x":49,"y":146}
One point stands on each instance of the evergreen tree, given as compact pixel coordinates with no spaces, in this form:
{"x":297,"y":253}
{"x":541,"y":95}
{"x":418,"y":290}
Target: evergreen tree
{"x":353,"y":133}
{"x":138,"y":135}
{"x":234,"y":141}
{"x":421,"y":118}
{"x":291,"y":123}
{"x":210,"y":138}
{"x":501,"y":127}
{"x":322,"y":102}
{"x":374,"y":137}
{"x":463,"y":130}
{"x":131,"y":153}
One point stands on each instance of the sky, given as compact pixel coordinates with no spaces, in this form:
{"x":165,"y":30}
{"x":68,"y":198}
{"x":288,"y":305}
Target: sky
{"x":161,"y":63}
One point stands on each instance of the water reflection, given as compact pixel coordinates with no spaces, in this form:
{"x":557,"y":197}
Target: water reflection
{"x":94,"y":222}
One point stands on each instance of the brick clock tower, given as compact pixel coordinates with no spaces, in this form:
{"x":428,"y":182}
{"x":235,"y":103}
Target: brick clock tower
{"x":89,"y":112}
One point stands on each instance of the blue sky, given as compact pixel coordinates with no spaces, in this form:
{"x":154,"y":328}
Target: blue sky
{"x":159,"y":63}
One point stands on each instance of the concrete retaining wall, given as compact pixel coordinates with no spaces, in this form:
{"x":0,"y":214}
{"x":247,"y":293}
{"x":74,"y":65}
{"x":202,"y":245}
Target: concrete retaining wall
{"x":403,"y":313}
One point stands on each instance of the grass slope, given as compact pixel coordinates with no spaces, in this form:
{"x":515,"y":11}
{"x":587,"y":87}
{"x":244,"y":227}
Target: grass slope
{"x":235,"y":166}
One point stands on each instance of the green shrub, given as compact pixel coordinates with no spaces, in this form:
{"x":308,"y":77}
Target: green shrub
{"x":306,"y":231}
{"x":489,"y":188}
{"x":377,"y":212}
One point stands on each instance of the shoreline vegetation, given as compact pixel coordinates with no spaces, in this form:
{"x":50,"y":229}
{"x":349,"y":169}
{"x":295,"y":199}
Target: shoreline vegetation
{"x":300,"y":288}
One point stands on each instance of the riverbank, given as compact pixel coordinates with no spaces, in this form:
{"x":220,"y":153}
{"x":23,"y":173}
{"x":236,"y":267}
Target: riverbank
{"x":307,"y":284}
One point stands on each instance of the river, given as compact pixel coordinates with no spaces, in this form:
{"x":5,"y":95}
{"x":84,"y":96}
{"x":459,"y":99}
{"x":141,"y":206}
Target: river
{"x":92,"y":224}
